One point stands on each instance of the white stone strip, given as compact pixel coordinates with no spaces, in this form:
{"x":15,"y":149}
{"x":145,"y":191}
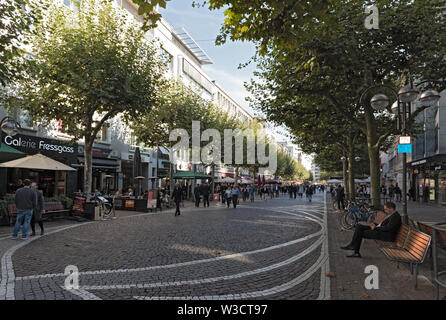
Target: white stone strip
{"x":7,"y":283}
{"x":215,"y":279}
{"x":248,"y":295}
{"x":8,"y":237}
{"x":85,"y":295}
{"x":181,"y":264}
{"x":324,"y":293}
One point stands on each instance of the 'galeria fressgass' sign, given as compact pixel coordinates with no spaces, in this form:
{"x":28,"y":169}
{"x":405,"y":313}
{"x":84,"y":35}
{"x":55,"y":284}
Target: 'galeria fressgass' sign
{"x":48,"y":147}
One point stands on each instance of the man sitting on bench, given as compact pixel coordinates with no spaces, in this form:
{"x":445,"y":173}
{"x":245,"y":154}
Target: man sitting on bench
{"x":385,"y":230}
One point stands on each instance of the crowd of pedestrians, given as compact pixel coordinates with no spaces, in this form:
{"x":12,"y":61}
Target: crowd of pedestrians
{"x":30,"y":207}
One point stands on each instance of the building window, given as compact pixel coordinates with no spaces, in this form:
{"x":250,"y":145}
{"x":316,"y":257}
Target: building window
{"x":167,"y":59}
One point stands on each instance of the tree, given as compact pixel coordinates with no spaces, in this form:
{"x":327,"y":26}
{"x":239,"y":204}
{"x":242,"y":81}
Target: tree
{"x":17,"y":19}
{"x":331,"y":54}
{"x":178,"y":107}
{"x":89,"y":66}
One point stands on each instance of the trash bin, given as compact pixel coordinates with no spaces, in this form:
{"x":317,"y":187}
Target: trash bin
{"x":89,"y":210}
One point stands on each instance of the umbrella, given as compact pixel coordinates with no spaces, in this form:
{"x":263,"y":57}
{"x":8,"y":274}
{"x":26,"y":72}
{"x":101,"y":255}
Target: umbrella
{"x":37,"y":162}
{"x":8,"y":153}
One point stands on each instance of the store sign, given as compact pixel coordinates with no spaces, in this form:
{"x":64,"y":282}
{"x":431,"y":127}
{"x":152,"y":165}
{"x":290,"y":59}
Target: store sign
{"x":48,"y":147}
{"x":405,"y":140}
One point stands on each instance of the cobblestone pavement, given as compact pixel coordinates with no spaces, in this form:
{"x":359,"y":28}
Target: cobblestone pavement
{"x":274,"y":249}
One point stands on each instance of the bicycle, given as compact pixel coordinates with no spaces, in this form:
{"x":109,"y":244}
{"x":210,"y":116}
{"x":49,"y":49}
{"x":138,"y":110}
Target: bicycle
{"x":355,"y":213}
{"x":105,"y":207}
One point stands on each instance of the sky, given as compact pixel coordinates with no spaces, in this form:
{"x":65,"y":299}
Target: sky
{"x":204,"y":26}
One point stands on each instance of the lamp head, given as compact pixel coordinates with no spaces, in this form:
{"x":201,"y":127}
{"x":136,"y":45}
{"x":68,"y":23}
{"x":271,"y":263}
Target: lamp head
{"x":408,"y":93}
{"x":430,"y":98}
{"x":379,"y":101}
{"x":9,"y":126}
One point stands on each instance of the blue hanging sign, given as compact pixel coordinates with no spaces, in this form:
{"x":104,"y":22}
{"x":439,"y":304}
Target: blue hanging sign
{"x":405,"y":148}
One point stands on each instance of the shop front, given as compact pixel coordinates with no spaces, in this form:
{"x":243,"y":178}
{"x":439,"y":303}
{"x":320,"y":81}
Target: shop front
{"x":52,"y":183}
{"x":105,"y":170}
{"x":428,"y":178}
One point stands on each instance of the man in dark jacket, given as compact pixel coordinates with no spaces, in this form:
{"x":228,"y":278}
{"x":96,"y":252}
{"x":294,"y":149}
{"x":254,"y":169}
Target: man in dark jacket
{"x":340,"y":195}
{"x":177,"y":197}
{"x":205,"y":189}
{"x":385,"y":231}
{"x":197,"y":196}
{"x":26,"y":201}
{"x":37,"y":214}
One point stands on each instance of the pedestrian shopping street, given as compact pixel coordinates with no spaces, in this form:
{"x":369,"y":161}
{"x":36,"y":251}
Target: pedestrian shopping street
{"x":263,"y":250}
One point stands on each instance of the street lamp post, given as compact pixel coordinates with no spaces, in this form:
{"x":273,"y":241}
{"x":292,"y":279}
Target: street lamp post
{"x":402,"y":109}
{"x":9,"y":126}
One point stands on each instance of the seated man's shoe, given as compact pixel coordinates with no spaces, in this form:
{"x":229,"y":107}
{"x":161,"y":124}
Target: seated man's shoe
{"x":349,"y":247}
{"x":354,"y":255}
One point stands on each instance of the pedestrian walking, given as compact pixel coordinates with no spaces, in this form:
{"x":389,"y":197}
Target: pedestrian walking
{"x":37,"y":213}
{"x":310,"y":192}
{"x":228,"y":196}
{"x":340,"y":194}
{"x":205,"y":189}
{"x":235,"y":193}
{"x":177,"y":197}
{"x":251,"y":191}
{"x":397,"y":193}
{"x":25,"y":200}
{"x":197,"y":196}
{"x":294,"y":191}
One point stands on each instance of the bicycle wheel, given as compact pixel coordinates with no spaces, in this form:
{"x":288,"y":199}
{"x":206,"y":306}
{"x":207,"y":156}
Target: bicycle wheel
{"x":350,"y":219}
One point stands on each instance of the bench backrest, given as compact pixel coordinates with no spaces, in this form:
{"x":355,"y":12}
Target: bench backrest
{"x":402,"y":235}
{"x":412,"y":224}
{"x":49,"y":206}
{"x":417,"y":244}
{"x":425,"y":228}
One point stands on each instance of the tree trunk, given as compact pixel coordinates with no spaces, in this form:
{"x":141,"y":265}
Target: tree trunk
{"x":213,"y":175}
{"x":88,"y":167}
{"x":236,"y":175}
{"x":351,"y":173}
{"x":375,"y":162}
{"x":344,"y":175}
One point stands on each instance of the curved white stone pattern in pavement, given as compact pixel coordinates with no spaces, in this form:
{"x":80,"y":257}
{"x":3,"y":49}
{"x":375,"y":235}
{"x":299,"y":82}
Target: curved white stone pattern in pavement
{"x":315,"y":214}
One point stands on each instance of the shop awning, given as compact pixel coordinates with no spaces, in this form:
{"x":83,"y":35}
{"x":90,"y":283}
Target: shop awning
{"x":8,"y":153}
{"x":187,"y":175}
{"x":100,"y":162}
{"x":7,"y":149}
{"x":37,"y":162}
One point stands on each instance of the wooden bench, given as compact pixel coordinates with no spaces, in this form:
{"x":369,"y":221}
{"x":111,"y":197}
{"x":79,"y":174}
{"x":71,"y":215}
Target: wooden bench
{"x":413,"y":251}
{"x":400,"y":239}
{"x":51,"y":209}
